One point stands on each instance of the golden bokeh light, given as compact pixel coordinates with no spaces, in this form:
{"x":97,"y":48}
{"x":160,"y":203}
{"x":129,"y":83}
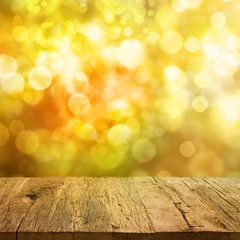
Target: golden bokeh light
{"x":80,"y":82}
{"x":40,"y":78}
{"x":7,"y":65}
{"x":179,"y":5}
{"x":172,"y":72}
{"x":113,"y":88}
{"x":118,"y":109}
{"x":201,"y":79}
{"x":78,"y":104}
{"x":119,"y":134}
{"x":87,"y":132}
{"x":16,"y":126}
{"x":13,"y":83}
{"x":192,"y":44}
{"x":50,"y":60}
{"x":200,"y":104}
{"x":187,"y":149}
{"x":27,"y":142}
{"x":229,"y":109}
{"x":4,"y":134}
{"x":171,"y":42}
{"x":131,"y":53}
{"x":143,"y":150}
{"x":20,"y":33}
{"x":211,"y":51}
{"x":218,"y":19}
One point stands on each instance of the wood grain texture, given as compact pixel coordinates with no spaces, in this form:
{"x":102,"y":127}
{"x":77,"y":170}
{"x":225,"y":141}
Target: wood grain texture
{"x":143,"y":208}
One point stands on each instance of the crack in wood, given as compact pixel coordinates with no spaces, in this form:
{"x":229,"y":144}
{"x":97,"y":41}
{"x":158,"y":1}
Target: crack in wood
{"x":19,"y":225}
{"x":178,"y":206}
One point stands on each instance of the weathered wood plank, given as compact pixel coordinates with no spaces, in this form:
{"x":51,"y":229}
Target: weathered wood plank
{"x":92,"y":216}
{"x":164,"y":216}
{"x":119,"y":208}
{"x":13,"y":206}
{"x":128,"y":213}
{"x":49,"y":211}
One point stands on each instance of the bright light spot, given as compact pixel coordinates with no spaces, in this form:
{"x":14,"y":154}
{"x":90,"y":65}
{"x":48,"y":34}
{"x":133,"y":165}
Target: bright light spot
{"x":109,"y":15}
{"x":131,"y":53}
{"x":144,"y":150}
{"x":7,"y":64}
{"x":218,"y":19}
{"x":150,"y":12}
{"x":20,"y":33}
{"x":193,"y":3}
{"x":201,"y":79}
{"x":233,"y":43}
{"x":4,"y":134}
{"x":27,"y":142}
{"x":187,"y":149}
{"x":118,"y":109}
{"x":211,"y":51}
{"x":127,"y":32}
{"x":178,"y":84}
{"x":229,"y":109}
{"x":152,"y":37}
{"x":171,"y":42}
{"x":223,"y":68}
{"x":110,"y":55}
{"x":87,"y":132}
{"x":172,"y":72}
{"x":78,"y":104}
{"x":94,"y":33}
{"x":107,"y":162}
{"x":70,"y":68}
{"x":13,"y":83}
{"x":82,"y":7}
{"x":119,"y":134}
{"x":40,"y":78}
{"x":51,"y":60}
{"x":233,"y":60}
{"x":16,"y":126}
{"x":192,"y":44}
{"x":134,"y":124}
{"x":179,"y":5}
{"x":80,"y":82}
{"x":200,"y":104}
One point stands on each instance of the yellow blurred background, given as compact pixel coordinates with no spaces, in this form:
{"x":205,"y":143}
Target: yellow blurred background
{"x":119,"y":88}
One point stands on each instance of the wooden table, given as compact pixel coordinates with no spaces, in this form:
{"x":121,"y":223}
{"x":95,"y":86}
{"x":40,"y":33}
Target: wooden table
{"x":140,"y":208}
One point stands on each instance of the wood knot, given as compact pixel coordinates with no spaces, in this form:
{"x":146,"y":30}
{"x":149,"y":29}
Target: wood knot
{"x":32,"y":196}
{"x":115,"y":227}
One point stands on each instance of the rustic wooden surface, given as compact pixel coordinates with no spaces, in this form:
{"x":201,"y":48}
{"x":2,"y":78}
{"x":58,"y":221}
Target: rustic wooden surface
{"x":143,"y":208}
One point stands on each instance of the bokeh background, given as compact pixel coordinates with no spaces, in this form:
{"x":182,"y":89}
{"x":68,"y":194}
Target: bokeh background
{"x":119,"y":88}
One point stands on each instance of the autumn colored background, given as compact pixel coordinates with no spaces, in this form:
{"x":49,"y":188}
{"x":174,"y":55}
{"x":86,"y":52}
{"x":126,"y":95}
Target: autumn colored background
{"x":119,"y":88}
